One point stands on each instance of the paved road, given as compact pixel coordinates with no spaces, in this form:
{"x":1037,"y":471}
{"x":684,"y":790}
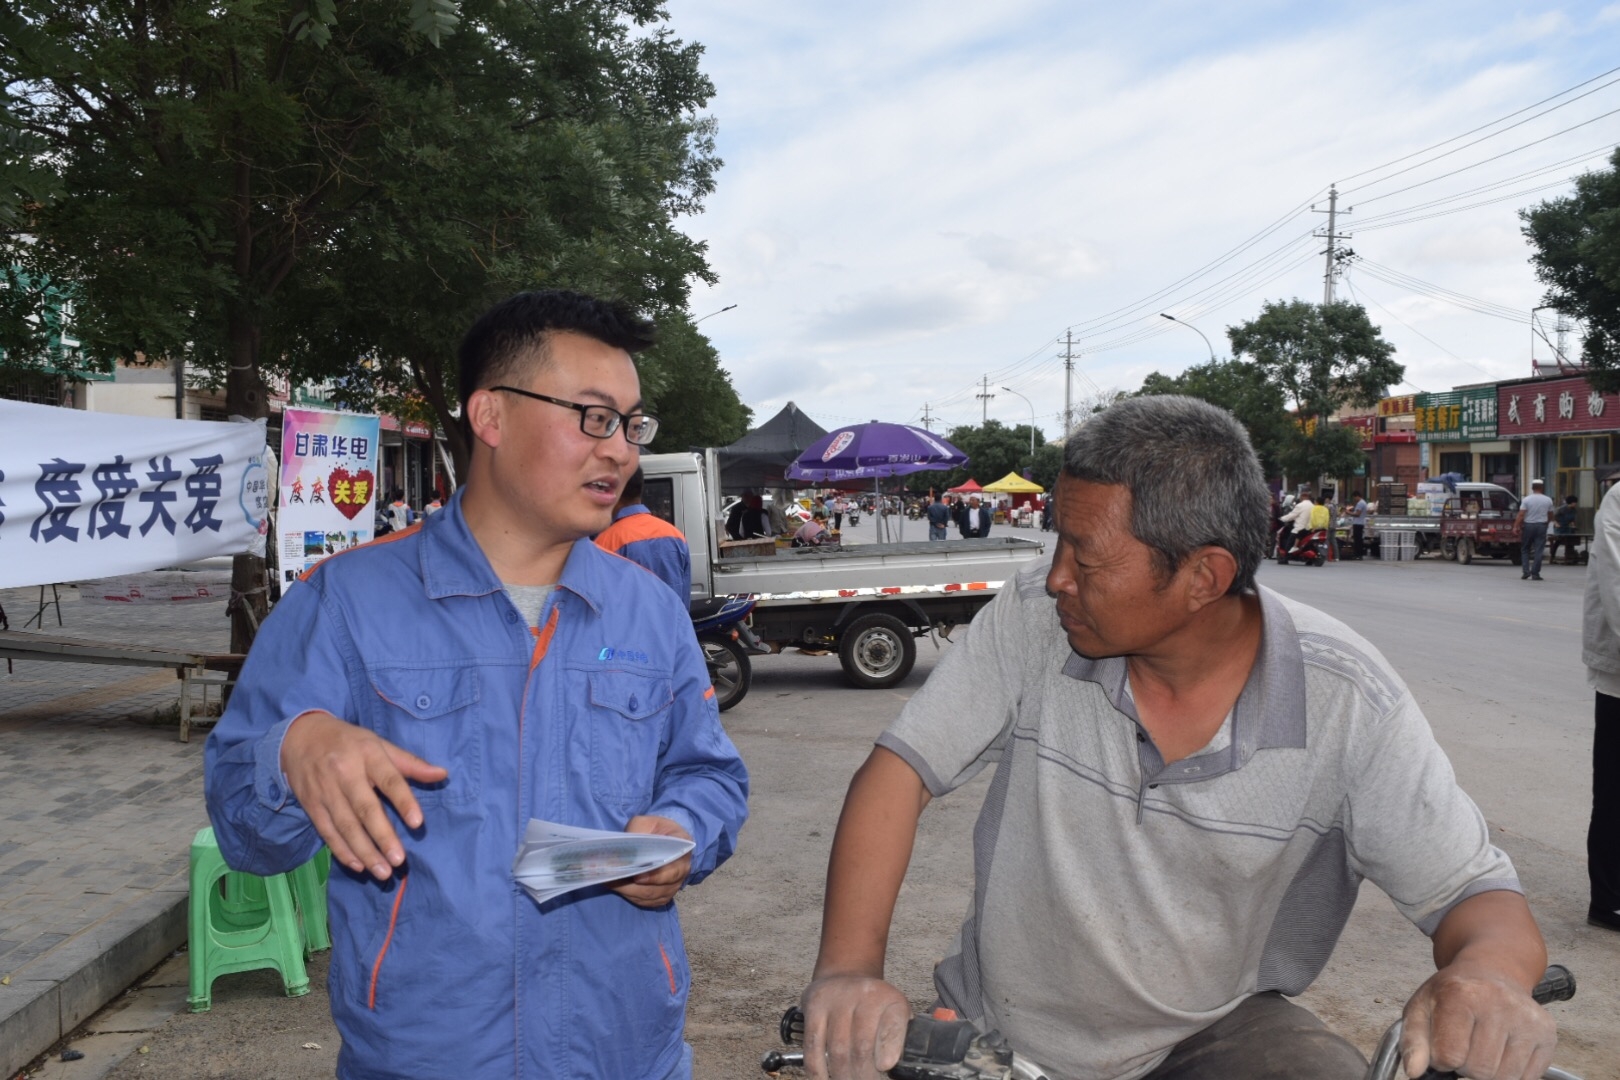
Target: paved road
{"x":1493,"y":660}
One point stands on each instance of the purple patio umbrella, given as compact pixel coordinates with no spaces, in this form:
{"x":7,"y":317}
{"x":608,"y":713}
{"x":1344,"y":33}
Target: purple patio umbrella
{"x":874,"y":449}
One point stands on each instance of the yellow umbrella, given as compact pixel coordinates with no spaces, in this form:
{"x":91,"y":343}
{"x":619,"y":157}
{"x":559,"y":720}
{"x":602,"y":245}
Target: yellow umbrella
{"x":1013,"y":484}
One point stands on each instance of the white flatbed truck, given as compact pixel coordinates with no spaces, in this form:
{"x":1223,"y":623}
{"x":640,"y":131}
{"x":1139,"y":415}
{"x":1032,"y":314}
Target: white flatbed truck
{"x":867,"y":602}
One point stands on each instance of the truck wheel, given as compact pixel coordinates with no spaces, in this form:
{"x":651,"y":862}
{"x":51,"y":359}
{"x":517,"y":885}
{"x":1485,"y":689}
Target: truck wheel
{"x":1448,"y":548}
{"x":1465,"y":551}
{"x":729,"y":670}
{"x":1515,"y":553}
{"x":877,"y":651}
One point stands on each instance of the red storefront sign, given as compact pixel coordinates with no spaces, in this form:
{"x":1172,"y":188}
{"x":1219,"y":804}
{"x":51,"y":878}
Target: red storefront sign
{"x":414,"y":428}
{"x":1549,"y":406}
{"x":1366,"y":427}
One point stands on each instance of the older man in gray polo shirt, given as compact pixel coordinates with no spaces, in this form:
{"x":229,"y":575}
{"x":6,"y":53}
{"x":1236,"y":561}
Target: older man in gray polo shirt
{"x":1193,"y":776}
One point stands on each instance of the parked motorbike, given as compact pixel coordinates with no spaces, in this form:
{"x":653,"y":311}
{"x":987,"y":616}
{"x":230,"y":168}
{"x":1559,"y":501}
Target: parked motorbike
{"x":719,"y":622}
{"x":1309,"y":546}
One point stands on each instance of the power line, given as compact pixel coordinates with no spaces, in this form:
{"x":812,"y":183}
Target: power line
{"x":1494,"y":157}
{"x":1482,"y":127}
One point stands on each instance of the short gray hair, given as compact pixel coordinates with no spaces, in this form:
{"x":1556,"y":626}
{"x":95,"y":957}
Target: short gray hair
{"x":1193,"y":478}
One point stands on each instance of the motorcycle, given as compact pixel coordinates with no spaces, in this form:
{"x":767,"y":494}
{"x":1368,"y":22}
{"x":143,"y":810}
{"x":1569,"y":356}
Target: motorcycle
{"x":719,"y":622}
{"x":1309,"y":546}
{"x":854,"y":515}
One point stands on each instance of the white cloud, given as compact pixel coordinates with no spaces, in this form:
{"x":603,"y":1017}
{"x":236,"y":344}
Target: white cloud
{"x":917,"y":196}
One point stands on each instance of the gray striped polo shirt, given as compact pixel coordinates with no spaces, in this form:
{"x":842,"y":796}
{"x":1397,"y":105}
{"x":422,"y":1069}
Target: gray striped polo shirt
{"x":1121,"y":904}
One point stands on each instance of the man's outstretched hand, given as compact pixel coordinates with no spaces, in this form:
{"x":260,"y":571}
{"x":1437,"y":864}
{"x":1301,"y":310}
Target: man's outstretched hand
{"x":1477,"y":1024}
{"x":337,"y":771}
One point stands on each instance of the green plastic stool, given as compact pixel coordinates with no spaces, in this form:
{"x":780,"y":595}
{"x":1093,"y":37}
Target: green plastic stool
{"x":243,"y":903}
{"x":222,"y":942}
{"x":309,"y":895}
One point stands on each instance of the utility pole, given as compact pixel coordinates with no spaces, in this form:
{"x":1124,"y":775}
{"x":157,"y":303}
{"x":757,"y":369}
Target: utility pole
{"x":927,"y":421}
{"x":984,"y":395}
{"x":1068,"y":382}
{"x":1331,"y":236}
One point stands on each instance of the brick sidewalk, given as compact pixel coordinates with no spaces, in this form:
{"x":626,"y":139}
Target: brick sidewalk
{"x":98,"y":804}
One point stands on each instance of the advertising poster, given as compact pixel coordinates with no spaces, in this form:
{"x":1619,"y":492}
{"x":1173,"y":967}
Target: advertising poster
{"x":328,"y":497}
{"x":89,"y":495}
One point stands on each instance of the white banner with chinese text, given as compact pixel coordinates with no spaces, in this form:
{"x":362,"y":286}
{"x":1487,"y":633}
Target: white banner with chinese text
{"x":91,"y":495}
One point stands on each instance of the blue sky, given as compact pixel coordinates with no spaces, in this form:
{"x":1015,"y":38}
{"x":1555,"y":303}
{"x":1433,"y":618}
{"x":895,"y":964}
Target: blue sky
{"x":919,"y":195}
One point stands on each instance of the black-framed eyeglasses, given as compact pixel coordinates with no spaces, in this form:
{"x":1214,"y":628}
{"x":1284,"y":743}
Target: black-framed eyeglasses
{"x":599,"y":421}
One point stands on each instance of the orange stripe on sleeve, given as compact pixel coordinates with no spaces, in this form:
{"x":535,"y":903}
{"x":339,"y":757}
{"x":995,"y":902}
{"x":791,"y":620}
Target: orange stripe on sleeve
{"x":389,"y":539}
{"x":708,"y":693}
{"x":627,"y":530}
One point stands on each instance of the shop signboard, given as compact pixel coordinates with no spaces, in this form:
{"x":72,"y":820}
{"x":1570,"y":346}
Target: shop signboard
{"x":1456,"y":415}
{"x":328,"y":496}
{"x":1400,"y":405}
{"x":1552,"y":406}
{"x":1365,"y":426}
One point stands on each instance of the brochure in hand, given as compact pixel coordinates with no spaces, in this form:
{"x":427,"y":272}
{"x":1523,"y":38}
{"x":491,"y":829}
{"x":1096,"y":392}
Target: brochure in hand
{"x":554,"y":859}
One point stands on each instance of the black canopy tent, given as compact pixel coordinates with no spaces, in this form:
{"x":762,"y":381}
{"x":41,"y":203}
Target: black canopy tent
{"x":758,"y":459}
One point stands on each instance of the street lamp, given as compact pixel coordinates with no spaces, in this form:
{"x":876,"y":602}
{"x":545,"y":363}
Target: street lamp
{"x":712,"y":314}
{"x":1031,"y":405}
{"x":1194,"y":329}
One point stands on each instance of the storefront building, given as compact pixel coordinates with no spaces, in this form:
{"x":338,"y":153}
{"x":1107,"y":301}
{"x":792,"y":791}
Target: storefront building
{"x":1395,"y":455}
{"x":1561,"y":430}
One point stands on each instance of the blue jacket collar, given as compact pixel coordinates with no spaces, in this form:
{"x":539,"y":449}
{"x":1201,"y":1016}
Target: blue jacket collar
{"x":453,"y":564}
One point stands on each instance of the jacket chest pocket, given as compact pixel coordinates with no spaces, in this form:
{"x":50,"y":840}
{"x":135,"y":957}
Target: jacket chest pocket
{"x":628,"y":715}
{"x":432,"y":711}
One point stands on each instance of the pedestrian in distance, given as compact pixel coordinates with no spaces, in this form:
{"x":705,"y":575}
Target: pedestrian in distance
{"x":975,"y":519}
{"x":1600,"y":651}
{"x":1358,"y":525}
{"x":413,"y":703}
{"x":1563,"y":530}
{"x":1532,"y":525}
{"x":1193,"y":774}
{"x":813,"y":533}
{"x":648,"y":540}
{"x":939,"y":519}
{"x":400,"y":515}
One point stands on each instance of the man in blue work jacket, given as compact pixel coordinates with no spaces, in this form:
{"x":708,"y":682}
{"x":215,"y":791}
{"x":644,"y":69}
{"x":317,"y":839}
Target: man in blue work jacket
{"x":415,"y":702}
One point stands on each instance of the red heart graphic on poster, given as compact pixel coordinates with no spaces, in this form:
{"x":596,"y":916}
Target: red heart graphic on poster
{"x":349,"y":491}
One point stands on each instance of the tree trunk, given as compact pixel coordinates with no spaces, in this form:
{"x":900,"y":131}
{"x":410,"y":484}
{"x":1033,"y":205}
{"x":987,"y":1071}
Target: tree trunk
{"x":245,"y":395}
{"x":429,"y":379}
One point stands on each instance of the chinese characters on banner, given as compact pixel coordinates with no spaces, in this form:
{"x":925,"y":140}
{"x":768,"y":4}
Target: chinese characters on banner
{"x":329,"y":494}
{"x":93,"y":495}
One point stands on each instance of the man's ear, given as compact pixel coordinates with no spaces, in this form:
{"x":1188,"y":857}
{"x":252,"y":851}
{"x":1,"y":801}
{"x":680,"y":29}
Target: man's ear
{"x":1210,"y":571}
{"x":484,"y":417}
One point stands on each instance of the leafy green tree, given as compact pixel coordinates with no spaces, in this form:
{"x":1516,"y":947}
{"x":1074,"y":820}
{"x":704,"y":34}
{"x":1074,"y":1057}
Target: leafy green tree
{"x":517,"y":175}
{"x":1242,"y":389}
{"x":219,"y":180}
{"x":690,"y":393}
{"x":1576,"y":243}
{"x":1322,"y":358}
{"x":993,"y":450}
